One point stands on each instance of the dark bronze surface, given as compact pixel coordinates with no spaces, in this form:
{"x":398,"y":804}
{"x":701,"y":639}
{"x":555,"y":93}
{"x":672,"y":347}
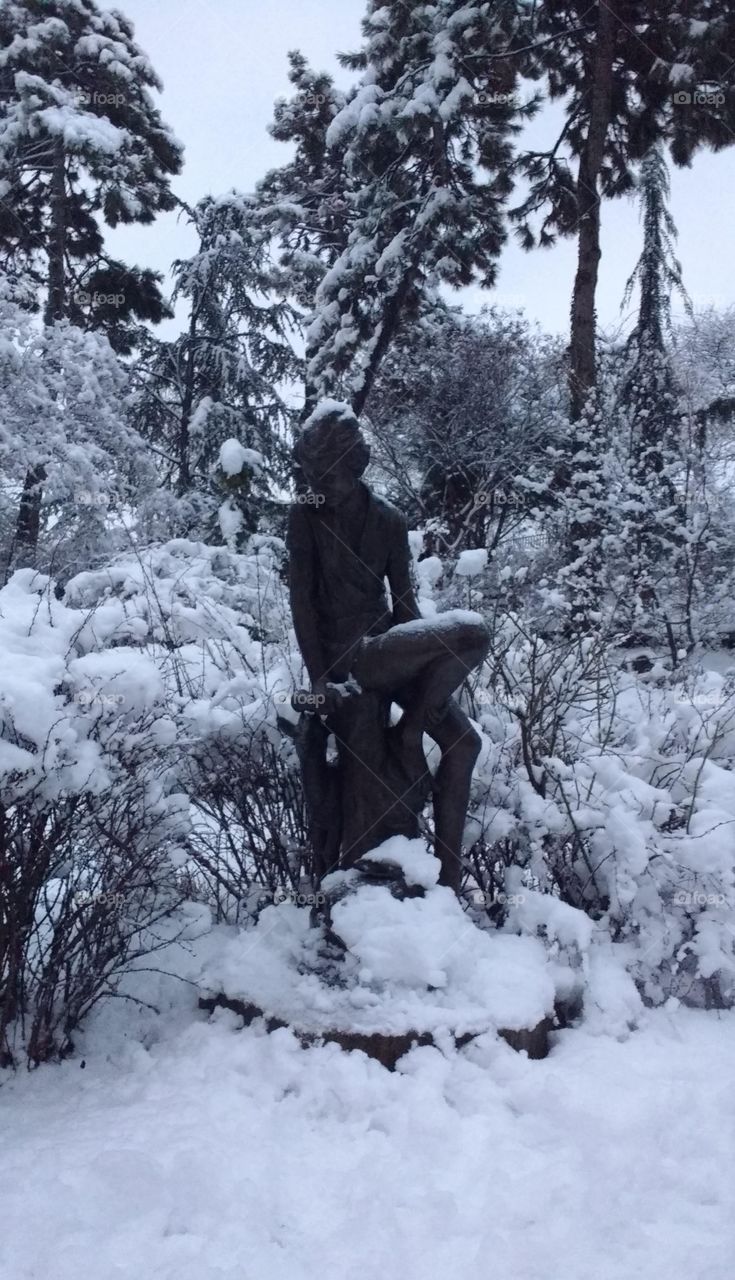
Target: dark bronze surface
{"x":351,"y":593}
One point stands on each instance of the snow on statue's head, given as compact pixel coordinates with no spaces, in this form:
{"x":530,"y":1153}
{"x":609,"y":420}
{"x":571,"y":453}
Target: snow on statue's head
{"x":332,"y":451}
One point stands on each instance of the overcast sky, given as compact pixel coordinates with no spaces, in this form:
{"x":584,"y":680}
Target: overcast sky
{"x":223,"y":63}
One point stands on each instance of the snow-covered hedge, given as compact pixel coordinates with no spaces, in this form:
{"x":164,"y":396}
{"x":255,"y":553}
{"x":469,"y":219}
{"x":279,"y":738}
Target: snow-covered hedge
{"x":612,"y":792}
{"x":615,"y":792}
{"x":139,"y":751}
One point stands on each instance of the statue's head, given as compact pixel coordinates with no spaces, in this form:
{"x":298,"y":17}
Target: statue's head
{"x":332,"y":451}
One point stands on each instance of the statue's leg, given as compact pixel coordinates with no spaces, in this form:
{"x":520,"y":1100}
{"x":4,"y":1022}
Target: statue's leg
{"x":421,"y":670}
{"x":320,"y":792}
{"x":433,"y":663}
{"x":440,"y":678}
{"x":460,"y":746}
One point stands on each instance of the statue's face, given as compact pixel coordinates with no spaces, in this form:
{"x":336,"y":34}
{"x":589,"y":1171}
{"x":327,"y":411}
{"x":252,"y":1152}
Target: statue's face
{"x":333,"y":482}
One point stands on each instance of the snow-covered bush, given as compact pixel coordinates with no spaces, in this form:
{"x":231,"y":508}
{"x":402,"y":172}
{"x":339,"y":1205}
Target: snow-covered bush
{"x":215,"y":623}
{"x":89,"y":814}
{"x":615,"y":793}
{"x":142,"y":756}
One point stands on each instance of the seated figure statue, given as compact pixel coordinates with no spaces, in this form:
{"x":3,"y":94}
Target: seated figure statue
{"x":345,"y":543}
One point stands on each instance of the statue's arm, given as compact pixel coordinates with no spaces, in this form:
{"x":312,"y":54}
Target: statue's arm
{"x":302,"y":587}
{"x":405,"y":608}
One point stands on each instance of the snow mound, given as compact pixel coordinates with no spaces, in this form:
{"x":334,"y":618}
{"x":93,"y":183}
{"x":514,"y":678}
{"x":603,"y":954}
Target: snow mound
{"x":413,"y":964}
{"x":417,"y":865}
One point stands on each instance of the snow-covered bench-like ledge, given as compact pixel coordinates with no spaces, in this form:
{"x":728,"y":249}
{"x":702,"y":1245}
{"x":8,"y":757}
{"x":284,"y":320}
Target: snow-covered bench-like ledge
{"x":415,"y":969}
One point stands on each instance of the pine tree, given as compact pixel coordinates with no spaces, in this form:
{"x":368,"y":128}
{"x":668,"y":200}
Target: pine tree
{"x":462,"y":415}
{"x":72,"y":388}
{"x":297,"y":221}
{"x":629,"y":75}
{"x":81,"y":146}
{"x":394,"y":187}
{"x":589,"y":509}
{"x":658,"y":274}
{"x":655,"y":506}
{"x":426,"y":142}
{"x":225,"y":377}
{"x":301,"y":210}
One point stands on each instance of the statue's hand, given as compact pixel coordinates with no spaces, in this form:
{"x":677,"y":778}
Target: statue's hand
{"x":327,"y":697}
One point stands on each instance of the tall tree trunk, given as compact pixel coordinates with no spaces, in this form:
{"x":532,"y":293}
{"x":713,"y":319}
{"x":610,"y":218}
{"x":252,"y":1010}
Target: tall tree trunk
{"x":56,"y":300}
{"x":29,"y":510}
{"x":28,"y":524}
{"x":183,"y":481}
{"x":584,"y":534}
{"x":582,"y":343}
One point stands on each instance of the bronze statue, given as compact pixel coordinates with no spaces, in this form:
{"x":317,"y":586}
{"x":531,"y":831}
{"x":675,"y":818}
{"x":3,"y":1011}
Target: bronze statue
{"x":344,"y":543}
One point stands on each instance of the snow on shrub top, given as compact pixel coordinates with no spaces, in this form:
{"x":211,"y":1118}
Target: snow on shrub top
{"x":471,"y":563}
{"x":234,"y":457}
{"x":152,"y":651}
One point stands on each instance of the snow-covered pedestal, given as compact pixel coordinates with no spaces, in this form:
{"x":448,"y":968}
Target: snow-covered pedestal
{"x":398,"y":962}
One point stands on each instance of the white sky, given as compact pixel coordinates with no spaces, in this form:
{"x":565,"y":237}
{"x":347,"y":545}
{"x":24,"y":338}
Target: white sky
{"x":223,"y":63}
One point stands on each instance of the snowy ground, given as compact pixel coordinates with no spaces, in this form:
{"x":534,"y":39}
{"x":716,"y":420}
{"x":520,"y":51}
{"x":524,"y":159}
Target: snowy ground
{"x":219,"y":1154}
